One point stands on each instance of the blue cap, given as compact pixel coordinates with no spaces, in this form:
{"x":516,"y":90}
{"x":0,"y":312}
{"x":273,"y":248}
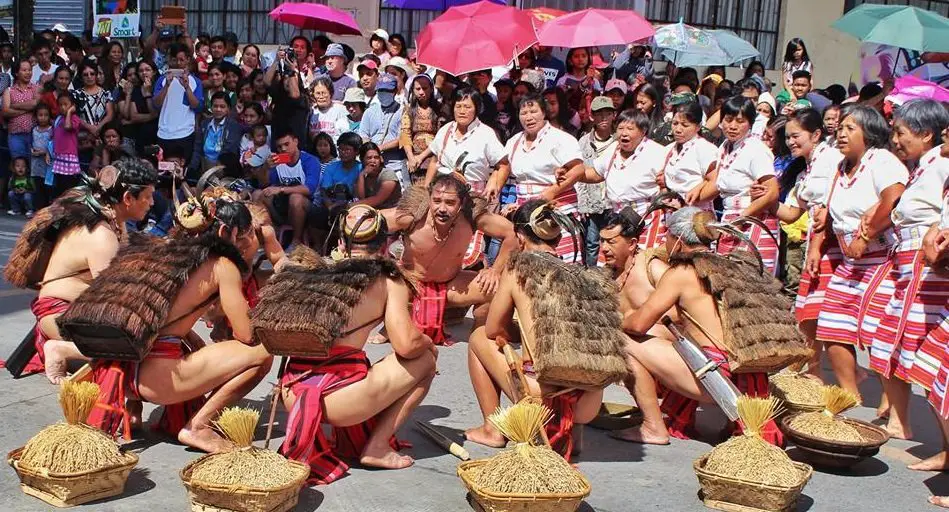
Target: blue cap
{"x":387,"y":82}
{"x":335,"y":50}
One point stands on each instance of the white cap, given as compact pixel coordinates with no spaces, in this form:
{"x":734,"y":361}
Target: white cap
{"x":766,"y":97}
{"x":355,"y":95}
{"x":59,"y":27}
{"x":382,"y":34}
{"x":401,"y":63}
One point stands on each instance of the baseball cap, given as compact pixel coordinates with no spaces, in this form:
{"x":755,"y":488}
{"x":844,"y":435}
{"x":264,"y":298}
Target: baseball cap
{"x":381,"y":34}
{"x":335,"y":50}
{"x":368,"y":64}
{"x":386,"y":82}
{"x":59,"y":27}
{"x":616,"y":83}
{"x":401,"y":63}
{"x":355,"y":95}
{"x":601,"y":103}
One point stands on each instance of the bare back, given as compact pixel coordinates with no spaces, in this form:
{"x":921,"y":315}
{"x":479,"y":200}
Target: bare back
{"x":366,"y":315}
{"x":637,"y":286}
{"x":80,"y":254}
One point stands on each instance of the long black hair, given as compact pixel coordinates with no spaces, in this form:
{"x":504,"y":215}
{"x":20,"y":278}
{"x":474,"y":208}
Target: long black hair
{"x":792,"y":45}
{"x":564,"y":112}
{"x":655,"y":94}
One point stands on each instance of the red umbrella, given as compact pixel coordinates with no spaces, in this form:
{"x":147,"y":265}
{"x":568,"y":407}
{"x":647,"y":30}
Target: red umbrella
{"x":544,"y":14}
{"x":595,"y":27}
{"x":316,"y":17}
{"x":475,"y":36}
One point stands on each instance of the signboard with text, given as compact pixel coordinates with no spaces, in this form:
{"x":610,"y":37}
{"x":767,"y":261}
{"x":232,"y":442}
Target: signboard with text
{"x":116,"y":18}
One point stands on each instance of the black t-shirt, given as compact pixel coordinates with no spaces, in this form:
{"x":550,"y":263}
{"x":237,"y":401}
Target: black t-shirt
{"x":288,"y":114}
{"x":143,"y":134}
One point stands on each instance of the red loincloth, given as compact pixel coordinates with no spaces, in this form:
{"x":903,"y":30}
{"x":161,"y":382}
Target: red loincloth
{"x":43,"y":307}
{"x":560,"y":428}
{"x":681,"y":410}
{"x":305,"y":441}
{"x":251,"y":290}
{"x":428,"y":311}
{"x":118,"y":378}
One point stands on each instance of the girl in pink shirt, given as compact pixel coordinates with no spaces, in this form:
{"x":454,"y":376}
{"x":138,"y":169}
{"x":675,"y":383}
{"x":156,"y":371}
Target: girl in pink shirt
{"x":66,"y":145}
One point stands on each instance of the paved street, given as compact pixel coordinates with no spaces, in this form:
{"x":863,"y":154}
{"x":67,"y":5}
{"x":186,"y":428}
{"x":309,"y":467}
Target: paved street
{"x":624,"y":476}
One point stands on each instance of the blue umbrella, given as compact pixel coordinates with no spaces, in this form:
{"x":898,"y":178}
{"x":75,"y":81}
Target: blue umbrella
{"x":431,"y":5}
{"x":685,"y":45}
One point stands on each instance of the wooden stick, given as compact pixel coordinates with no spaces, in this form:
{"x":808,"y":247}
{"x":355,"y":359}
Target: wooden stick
{"x":277,"y":392}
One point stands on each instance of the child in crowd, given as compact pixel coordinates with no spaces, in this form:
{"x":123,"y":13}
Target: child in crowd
{"x":220,"y":135}
{"x":325,"y":149}
{"x":41,"y":162}
{"x":202,"y":57}
{"x":245,"y":96}
{"x":65,"y":146}
{"x":831,"y":118}
{"x":255,"y":150}
{"x":20,"y":189}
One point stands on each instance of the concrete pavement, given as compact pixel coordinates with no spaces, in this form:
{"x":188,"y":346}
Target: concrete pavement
{"x":624,"y":476}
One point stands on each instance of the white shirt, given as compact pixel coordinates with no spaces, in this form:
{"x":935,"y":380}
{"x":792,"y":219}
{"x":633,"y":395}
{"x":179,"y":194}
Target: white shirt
{"x":480,"y":142}
{"x":687,"y":168}
{"x":176,"y":118}
{"x":851,"y":198}
{"x":632,"y":181}
{"x":749,"y":161}
{"x":812,"y":189}
{"x":38,"y":72}
{"x":921,"y":202}
{"x":538,"y":164}
{"x":329,"y":121}
{"x":945,"y":207}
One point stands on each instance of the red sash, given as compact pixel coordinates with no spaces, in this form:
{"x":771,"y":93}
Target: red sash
{"x":428,"y":311}
{"x":43,"y":307}
{"x":560,"y":428}
{"x":305,"y":441}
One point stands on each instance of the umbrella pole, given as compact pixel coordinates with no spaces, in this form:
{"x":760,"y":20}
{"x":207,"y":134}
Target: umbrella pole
{"x":896,"y":61}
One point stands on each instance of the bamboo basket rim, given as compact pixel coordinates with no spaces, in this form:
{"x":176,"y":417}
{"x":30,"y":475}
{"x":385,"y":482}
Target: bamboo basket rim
{"x":884,"y":435}
{"x":806,"y":470}
{"x":186,"y":479}
{"x":464,"y":473}
{"x":13,"y":458}
{"x":797,"y":406}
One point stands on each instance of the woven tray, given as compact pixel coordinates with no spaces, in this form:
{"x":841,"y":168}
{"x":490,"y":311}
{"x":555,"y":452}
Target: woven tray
{"x":291,"y":343}
{"x":207,"y":497}
{"x":719,"y":490}
{"x":67,"y":490}
{"x":839,"y":454}
{"x":498,"y":502}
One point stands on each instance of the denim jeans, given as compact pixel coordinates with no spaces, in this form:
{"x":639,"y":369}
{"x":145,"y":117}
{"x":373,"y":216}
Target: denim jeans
{"x":591,"y":236}
{"x":21,"y":202}
{"x":21,"y":144}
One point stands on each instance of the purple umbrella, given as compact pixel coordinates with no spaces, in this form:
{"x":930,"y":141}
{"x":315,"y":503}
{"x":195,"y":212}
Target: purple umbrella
{"x":432,"y":5}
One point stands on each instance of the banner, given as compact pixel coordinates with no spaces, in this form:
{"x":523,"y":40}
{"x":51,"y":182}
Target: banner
{"x":116,"y":18}
{"x":879,"y":62}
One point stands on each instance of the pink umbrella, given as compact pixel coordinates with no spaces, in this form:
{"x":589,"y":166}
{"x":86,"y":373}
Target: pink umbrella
{"x":316,"y":17}
{"x":475,"y":36}
{"x":909,"y":87}
{"x":595,"y":27}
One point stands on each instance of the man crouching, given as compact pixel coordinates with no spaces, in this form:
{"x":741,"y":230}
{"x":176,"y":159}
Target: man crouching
{"x":345,"y":302}
{"x":568,"y":318}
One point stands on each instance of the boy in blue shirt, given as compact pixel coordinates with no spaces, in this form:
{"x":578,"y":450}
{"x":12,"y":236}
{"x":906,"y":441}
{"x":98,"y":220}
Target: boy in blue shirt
{"x":293,"y":181}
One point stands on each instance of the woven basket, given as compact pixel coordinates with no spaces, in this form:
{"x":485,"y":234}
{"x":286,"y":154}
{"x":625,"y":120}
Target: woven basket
{"x":502,"y":502}
{"x":838,"y":454}
{"x":292,"y":343}
{"x":569,"y":377}
{"x":720,"y":491}
{"x":207,"y":497}
{"x":67,"y":490}
{"x":791,"y":407}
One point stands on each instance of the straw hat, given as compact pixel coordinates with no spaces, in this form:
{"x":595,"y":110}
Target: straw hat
{"x":403,"y":64}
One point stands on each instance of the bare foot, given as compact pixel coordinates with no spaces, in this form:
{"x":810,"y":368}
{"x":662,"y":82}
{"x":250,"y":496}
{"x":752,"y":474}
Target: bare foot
{"x":134,"y":407}
{"x":938,"y":462}
{"x":939,"y":501}
{"x":204,"y":439}
{"x":640,"y":434}
{"x":883,"y":411}
{"x":897,"y":430}
{"x":54,"y":353}
{"x":384,"y":458}
{"x":487,"y":436}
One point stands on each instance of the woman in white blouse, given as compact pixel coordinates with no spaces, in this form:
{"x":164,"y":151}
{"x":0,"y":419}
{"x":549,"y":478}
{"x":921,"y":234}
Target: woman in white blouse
{"x":690,"y":157}
{"x":869,"y":181}
{"x":804,"y":133}
{"x":910,"y":294}
{"x":631,"y":173}
{"x":545,"y":163}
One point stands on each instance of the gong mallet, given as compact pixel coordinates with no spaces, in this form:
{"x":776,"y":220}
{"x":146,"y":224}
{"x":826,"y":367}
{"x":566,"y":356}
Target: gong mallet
{"x":442,"y":440}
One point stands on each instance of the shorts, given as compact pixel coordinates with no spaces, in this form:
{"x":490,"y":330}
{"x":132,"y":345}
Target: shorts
{"x":281,"y":209}
{"x":181,"y":148}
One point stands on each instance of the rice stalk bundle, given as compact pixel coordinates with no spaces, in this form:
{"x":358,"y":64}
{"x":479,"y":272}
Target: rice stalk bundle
{"x":72,"y":447}
{"x":827,"y":424}
{"x":798,"y":389}
{"x":245,"y":466}
{"x":526,"y":468}
{"x":748,"y":456}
